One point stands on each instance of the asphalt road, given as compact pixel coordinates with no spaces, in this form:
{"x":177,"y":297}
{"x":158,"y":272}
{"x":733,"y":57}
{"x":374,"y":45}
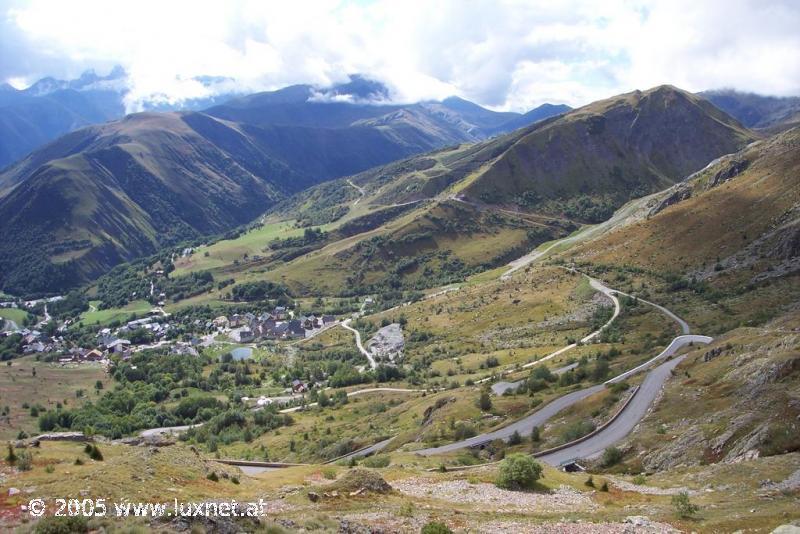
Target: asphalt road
{"x":372,"y":449}
{"x":523,"y":426}
{"x":628,"y":419}
{"x":623,"y":424}
{"x":498,"y":388}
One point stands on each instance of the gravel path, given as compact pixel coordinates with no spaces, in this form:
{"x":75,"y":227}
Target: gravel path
{"x":562,"y":500}
{"x":624,"y":485}
{"x":632,"y":525}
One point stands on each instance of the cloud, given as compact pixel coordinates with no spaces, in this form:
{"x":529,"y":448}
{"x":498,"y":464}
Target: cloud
{"x":506,"y":54}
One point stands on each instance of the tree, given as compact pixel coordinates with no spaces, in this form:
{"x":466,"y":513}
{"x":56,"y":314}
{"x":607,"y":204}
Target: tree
{"x":519,"y":471}
{"x":485,"y":401}
{"x":611,"y":456}
{"x":515,"y":438}
{"x":535,"y":437}
{"x":683,"y":506}
{"x":601,"y":370}
{"x":11,"y":457}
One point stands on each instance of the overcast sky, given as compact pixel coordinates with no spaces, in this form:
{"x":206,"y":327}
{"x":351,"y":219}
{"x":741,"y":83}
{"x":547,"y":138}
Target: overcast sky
{"x":502,"y":54}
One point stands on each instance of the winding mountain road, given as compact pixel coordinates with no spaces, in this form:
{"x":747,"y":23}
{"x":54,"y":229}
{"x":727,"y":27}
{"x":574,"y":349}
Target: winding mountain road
{"x":164,"y":430}
{"x":631,"y":415}
{"x":623,"y":423}
{"x":372,"y":363}
{"x":360,"y":191}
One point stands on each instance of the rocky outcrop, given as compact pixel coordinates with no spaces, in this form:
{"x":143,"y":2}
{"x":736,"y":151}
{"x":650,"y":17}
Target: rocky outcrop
{"x":733,"y":168}
{"x":677,"y":193}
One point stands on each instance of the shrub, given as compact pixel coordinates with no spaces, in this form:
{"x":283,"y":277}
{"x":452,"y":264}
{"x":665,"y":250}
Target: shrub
{"x":639,"y":480}
{"x":25,"y":461}
{"x":683,"y":506}
{"x":464,"y":431}
{"x":604,"y":487}
{"x":62,"y":525}
{"x":434,"y":527}
{"x":484,"y":401}
{"x":379,"y":461}
{"x":50,"y":468}
{"x":78,"y":461}
{"x":518,"y":471}
{"x":329,"y":473}
{"x":406,"y":509}
{"x":576,"y":430}
{"x":11,"y":457}
{"x":94,"y":453}
{"x":590,"y":481}
{"x":515,"y":439}
{"x":535,"y":435}
{"x":212,"y":476}
{"x":611,"y":456}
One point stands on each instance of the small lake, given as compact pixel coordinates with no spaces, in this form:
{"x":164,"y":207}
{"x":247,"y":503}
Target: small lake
{"x":242,"y":353}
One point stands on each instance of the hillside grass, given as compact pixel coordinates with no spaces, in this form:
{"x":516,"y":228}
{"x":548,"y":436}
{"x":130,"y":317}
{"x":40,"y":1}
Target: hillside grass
{"x":104,"y":317}
{"x":54,"y":383}
{"x":14,"y":314}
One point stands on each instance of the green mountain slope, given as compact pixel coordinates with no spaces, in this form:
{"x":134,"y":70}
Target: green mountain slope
{"x":609,"y":152}
{"x":437,"y":217}
{"x":121,"y":190}
{"x":190,"y":174}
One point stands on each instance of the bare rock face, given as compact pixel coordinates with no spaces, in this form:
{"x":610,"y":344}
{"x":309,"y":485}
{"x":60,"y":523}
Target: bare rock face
{"x":677,"y":193}
{"x":674,"y":454}
{"x":733,"y":169}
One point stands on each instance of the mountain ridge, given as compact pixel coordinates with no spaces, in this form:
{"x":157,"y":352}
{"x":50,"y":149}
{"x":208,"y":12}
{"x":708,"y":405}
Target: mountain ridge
{"x":189,"y":155}
{"x":474,"y":207}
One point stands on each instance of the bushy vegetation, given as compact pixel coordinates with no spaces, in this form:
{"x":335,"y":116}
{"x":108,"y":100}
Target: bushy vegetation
{"x":259,"y":290}
{"x":10,"y":347}
{"x":684,"y":508}
{"x":435,"y":527}
{"x":518,"y":471}
{"x":144,"y":385}
{"x":611,"y":456}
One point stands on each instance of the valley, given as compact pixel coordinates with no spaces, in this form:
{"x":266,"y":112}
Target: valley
{"x":609,"y":295}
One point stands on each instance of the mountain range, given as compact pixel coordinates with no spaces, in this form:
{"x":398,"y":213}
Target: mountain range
{"x":113,"y":192}
{"x":436,"y":217}
{"x":756,"y":111}
{"x":50,"y":107}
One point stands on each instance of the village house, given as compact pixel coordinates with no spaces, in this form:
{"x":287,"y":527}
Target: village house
{"x":93,"y":355}
{"x":295,"y":329}
{"x":242,"y":335}
{"x":118,"y":345}
{"x":36,"y":346}
{"x":299,"y":386}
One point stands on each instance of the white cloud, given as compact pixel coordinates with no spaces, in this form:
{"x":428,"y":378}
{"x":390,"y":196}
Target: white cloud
{"x":505,"y":54}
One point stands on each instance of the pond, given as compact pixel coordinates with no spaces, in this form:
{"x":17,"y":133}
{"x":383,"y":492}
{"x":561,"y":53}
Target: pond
{"x":242,"y":353}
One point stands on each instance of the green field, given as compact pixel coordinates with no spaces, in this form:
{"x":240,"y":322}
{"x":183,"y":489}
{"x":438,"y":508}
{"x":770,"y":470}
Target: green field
{"x":114,"y":314}
{"x":51,"y":384}
{"x":13,"y":314}
{"x":225,"y":252}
